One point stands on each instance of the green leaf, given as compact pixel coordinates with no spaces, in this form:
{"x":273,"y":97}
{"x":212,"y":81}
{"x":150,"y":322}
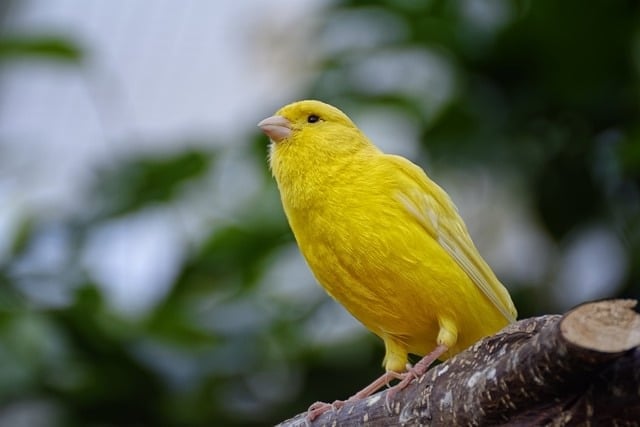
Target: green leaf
{"x":47,"y":47}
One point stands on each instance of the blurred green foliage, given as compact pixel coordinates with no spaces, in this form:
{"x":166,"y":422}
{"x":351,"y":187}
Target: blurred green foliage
{"x":45,"y":48}
{"x":547,"y":91}
{"x":140,"y":182}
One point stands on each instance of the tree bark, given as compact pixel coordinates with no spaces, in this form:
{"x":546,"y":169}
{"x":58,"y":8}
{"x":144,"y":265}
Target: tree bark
{"x":582,"y":368}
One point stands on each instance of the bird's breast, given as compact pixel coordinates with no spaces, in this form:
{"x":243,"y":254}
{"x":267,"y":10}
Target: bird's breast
{"x":368,"y":257}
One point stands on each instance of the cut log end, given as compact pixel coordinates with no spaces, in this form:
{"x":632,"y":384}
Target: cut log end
{"x":604,"y":326}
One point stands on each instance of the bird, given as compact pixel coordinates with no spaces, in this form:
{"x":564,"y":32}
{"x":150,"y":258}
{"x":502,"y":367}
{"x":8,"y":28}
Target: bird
{"x":383,"y":240}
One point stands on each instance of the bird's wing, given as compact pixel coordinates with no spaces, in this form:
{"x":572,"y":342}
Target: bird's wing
{"x":434,"y":210}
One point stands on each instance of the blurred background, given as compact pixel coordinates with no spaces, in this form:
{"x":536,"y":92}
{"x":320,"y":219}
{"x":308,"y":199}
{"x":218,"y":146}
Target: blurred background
{"x":147,"y":273}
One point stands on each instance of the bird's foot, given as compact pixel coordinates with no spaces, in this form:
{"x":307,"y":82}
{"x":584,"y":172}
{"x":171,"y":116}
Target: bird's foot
{"x":418,"y":370}
{"x":319,"y":408}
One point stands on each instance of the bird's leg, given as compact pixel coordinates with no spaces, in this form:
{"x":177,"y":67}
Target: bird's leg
{"x":320,"y":408}
{"x":422,"y":366}
{"x":377,"y":384}
{"x":417,"y":371}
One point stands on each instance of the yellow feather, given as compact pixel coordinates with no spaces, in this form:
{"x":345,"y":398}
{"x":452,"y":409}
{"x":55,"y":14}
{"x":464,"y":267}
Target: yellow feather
{"x":381,"y":237}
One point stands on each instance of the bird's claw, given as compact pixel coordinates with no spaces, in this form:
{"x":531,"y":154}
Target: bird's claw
{"x":406,"y":379}
{"x":319,"y":408}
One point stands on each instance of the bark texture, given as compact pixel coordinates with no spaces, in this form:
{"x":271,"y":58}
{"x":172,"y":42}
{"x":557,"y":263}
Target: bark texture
{"x":582,"y":368}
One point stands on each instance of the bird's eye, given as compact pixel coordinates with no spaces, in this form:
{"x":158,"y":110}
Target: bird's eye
{"x":312,"y":118}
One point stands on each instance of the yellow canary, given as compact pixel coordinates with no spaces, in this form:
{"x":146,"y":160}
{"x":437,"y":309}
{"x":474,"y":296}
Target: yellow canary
{"x":382,"y":238}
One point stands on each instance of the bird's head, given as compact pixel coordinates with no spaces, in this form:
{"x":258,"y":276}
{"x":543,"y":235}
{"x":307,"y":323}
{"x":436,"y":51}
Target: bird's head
{"x":311,"y":134}
{"x":304,"y":118}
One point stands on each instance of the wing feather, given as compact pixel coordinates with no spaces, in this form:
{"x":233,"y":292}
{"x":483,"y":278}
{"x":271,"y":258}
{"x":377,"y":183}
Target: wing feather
{"x":437,"y":214}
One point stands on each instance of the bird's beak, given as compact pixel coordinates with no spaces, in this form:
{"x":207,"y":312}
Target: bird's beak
{"x":276,"y":128}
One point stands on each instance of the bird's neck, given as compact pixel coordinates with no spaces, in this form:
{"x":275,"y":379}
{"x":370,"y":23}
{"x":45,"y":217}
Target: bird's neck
{"x":310,"y":169}
{"x":310,"y":182}
{"x":307,"y":184}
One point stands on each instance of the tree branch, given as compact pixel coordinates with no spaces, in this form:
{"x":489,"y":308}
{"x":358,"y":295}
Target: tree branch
{"x":549,"y":370}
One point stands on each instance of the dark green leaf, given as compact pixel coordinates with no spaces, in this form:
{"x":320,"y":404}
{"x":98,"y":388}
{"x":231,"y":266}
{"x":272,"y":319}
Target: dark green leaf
{"x":46,"y":47}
